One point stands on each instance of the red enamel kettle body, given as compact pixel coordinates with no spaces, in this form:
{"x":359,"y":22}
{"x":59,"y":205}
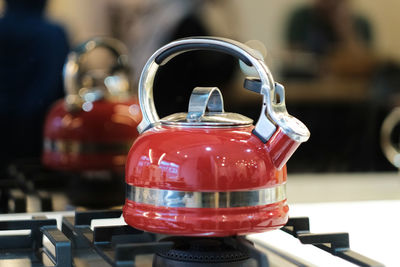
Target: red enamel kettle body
{"x":209,"y":172}
{"x":95,"y":125}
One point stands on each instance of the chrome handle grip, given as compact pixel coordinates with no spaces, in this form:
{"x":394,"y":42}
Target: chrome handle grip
{"x":266,"y":125}
{"x":391,"y":152}
{"x":171,"y":52}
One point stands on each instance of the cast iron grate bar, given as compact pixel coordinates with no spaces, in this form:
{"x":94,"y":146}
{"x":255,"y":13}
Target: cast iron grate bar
{"x":32,"y":240}
{"x":82,"y":240}
{"x":25,"y":188}
{"x":81,"y":236}
{"x":104,"y":241}
{"x":334,"y":243}
{"x":63,"y":254}
{"x":86,"y":217}
{"x":79,"y":225}
{"x":121,"y":234}
{"x":107,"y":233}
{"x":107,"y":239}
{"x":17,"y":201}
{"x":29,"y":247}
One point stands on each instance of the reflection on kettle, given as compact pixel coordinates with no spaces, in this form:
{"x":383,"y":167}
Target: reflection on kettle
{"x":212,"y":194}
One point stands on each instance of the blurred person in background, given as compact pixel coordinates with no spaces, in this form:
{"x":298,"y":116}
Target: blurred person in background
{"x":336,"y":60}
{"x":32,"y":54}
{"x":339,"y":40}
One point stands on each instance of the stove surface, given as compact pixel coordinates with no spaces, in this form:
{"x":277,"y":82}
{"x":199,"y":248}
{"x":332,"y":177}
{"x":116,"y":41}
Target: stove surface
{"x":372,"y":225}
{"x":98,"y":241}
{"x":101,"y":238}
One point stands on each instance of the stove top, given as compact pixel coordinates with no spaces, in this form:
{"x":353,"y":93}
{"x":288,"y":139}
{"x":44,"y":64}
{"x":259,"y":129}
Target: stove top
{"x":100,"y":238}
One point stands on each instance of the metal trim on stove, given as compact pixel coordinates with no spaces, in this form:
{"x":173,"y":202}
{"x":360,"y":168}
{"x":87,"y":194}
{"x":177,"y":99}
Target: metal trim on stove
{"x":192,"y":199}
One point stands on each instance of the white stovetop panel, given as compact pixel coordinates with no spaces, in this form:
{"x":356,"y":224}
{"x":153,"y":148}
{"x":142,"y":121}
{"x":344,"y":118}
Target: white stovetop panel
{"x":373,"y":227}
{"x":366,"y":205}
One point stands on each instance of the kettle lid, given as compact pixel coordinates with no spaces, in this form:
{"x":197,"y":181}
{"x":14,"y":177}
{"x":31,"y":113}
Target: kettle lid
{"x":206,"y":109}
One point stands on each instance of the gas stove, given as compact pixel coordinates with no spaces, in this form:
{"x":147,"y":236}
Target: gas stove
{"x":101,"y":238}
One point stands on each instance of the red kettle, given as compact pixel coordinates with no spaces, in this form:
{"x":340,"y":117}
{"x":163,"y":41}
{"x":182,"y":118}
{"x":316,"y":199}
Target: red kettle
{"x":209,"y":172}
{"x":93,"y":128}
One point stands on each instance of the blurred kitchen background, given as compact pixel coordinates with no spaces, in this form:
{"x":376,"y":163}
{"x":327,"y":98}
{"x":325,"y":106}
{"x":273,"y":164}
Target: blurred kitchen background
{"x":339,"y":62}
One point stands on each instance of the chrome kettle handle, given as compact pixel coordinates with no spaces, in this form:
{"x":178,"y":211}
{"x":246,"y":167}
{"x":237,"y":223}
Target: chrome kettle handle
{"x":71,"y":70}
{"x":265,"y":126}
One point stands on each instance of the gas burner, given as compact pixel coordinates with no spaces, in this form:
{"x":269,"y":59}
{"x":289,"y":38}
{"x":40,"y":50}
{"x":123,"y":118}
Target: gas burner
{"x":203,"y":251}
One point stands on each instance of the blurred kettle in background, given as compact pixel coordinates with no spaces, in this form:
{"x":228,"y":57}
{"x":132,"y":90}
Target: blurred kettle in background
{"x":94,"y":126}
{"x":88,"y":133}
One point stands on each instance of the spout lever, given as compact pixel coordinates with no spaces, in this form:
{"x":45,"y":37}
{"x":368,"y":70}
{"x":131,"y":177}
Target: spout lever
{"x":253,"y":84}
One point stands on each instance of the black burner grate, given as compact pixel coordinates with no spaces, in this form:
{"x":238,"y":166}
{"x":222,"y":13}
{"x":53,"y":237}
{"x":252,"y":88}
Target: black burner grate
{"x":335,"y":243}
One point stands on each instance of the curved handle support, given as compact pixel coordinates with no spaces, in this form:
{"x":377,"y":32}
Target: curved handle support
{"x":203,"y":98}
{"x":266,"y":125}
{"x":391,"y":152}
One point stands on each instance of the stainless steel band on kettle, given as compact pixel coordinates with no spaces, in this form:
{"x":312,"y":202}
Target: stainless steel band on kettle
{"x":273,"y":94}
{"x":194,"y":199}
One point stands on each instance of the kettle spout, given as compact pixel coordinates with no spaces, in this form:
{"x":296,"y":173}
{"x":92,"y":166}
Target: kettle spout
{"x":281,"y":147}
{"x":281,"y":132}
